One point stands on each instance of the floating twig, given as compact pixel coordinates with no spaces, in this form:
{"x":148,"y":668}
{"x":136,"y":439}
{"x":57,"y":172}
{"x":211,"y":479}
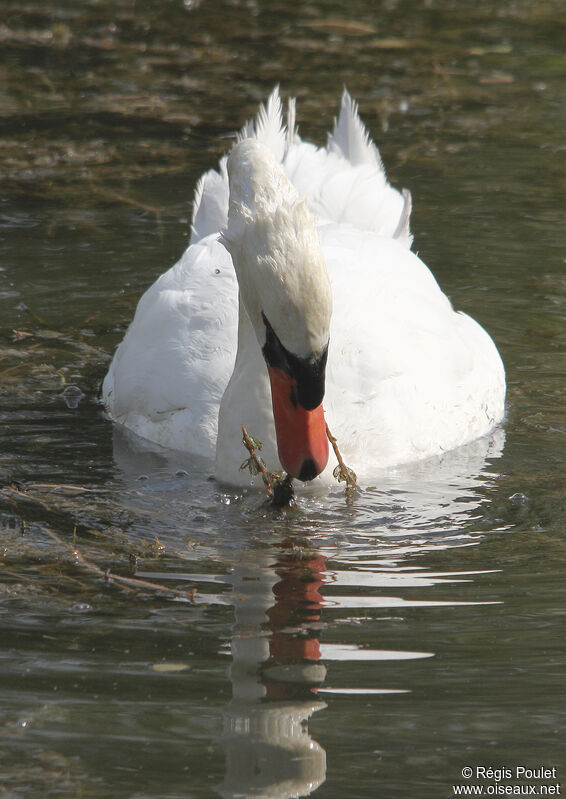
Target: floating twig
{"x":21,"y":335}
{"x":37,"y":319}
{"x":128,"y":582}
{"x":254,"y":463}
{"x":44,"y":334}
{"x":110,"y":194}
{"x":62,"y":488}
{"x":342,"y":473}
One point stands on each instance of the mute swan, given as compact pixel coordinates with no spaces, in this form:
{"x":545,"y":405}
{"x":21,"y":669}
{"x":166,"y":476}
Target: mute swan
{"x":299,"y":283}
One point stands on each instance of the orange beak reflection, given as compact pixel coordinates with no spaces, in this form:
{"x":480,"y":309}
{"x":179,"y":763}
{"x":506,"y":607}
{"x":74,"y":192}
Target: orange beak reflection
{"x":302,"y":443}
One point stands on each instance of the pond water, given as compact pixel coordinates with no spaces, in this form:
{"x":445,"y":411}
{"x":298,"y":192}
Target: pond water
{"x":373,"y":645}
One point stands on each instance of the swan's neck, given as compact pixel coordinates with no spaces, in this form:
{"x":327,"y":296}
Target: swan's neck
{"x":246,"y":401}
{"x":285,"y":306}
{"x":277,"y":256}
{"x":248,"y":353}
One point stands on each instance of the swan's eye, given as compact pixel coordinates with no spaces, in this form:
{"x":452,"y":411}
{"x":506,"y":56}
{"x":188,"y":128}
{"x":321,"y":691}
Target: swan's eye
{"x":274,"y":352}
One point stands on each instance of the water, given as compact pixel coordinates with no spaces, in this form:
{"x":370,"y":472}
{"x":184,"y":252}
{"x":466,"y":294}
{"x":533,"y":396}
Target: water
{"x":362,"y":647}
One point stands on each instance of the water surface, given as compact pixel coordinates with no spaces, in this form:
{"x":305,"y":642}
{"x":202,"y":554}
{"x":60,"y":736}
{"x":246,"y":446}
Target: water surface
{"x":366,"y":646}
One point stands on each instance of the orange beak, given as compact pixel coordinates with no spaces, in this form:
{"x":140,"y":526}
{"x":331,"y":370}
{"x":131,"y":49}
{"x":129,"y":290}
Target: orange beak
{"x":302,"y":442}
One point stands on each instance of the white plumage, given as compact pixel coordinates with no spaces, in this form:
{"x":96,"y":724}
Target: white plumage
{"x":407,"y":376}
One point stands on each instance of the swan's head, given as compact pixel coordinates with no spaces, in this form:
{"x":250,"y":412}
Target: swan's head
{"x":285,"y":291}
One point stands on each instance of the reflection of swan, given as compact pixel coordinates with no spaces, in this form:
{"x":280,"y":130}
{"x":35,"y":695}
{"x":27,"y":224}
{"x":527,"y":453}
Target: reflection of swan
{"x":407,"y":377}
{"x":433,"y":496}
{"x":269,"y":752}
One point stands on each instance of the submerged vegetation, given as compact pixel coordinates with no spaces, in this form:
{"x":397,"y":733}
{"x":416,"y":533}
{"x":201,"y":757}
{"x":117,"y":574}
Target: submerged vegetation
{"x":36,"y":559}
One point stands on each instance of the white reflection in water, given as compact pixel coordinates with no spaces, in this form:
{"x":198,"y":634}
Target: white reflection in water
{"x":279,"y":665}
{"x":398,"y":579}
{"x":353,"y":652}
{"x":395,"y":602}
{"x":294,"y":577}
{"x":269,"y":751}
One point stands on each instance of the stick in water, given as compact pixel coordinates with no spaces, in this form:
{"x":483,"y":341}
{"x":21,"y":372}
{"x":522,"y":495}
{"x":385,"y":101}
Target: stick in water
{"x":255,"y":463}
{"x":127,"y":582}
{"x":342,"y":472}
{"x":279,"y":487}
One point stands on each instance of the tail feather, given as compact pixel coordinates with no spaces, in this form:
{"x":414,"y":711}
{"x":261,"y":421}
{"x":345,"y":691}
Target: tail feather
{"x":350,"y":137}
{"x":210,"y":203}
{"x":403,"y":231}
{"x":292,"y":134}
{"x":268,"y":126}
{"x":346,"y":182}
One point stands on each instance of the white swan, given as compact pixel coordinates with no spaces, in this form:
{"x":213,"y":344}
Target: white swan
{"x":316,"y":245}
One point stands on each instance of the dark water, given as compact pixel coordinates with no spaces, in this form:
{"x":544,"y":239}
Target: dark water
{"x":366,"y":647}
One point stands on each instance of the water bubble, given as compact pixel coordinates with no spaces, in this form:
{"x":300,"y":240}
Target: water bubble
{"x":72,"y":396}
{"x":81,"y":607}
{"x":518,"y":498}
